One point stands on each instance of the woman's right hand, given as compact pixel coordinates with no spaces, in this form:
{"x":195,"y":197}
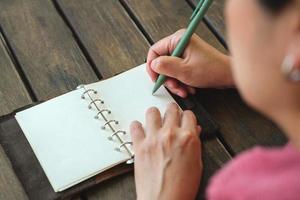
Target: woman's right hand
{"x":201,"y":65}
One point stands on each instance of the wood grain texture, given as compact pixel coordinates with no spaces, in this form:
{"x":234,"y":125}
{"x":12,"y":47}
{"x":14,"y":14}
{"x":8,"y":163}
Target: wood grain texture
{"x":241,"y":127}
{"x":214,"y":156}
{"x":121,"y":187}
{"x":215,"y":16}
{"x":12,"y":95}
{"x":50,"y":58}
{"x":10,"y":186}
{"x":162,"y":18}
{"x":105,"y":29}
{"x":44,"y":47}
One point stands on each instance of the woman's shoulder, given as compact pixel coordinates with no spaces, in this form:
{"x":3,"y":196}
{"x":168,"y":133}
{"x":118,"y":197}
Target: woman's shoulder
{"x":260,"y":173}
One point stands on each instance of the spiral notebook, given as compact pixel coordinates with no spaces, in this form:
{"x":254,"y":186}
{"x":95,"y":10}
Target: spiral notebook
{"x":86,"y":131}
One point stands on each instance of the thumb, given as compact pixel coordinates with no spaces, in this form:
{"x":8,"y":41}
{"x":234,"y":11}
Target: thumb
{"x":169,"y":66}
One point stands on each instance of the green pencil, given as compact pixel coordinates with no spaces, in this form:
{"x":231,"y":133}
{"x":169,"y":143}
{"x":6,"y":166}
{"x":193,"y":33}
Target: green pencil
{"x":195,"y":19}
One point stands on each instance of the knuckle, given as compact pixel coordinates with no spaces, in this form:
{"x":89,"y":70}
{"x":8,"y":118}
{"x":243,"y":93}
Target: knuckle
{"x":180,"y":31}
{"x":175,"y":38}
{"x":148,"y":147}
{"x":168,"y":131}
{"x":152,"y":47}
{"x":168,"y":137}
{"x":189,"y":137}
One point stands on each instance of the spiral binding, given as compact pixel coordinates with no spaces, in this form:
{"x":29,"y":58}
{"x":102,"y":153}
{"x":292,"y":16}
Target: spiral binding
{"x":108,"y":122}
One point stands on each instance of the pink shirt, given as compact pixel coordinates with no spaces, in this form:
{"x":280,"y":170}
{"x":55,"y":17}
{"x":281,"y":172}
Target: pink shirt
{"x":259,"y":174}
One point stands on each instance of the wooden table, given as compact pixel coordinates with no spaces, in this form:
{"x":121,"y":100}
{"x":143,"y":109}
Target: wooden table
{"x":48,"y":47}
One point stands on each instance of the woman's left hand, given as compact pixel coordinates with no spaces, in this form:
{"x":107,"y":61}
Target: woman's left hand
{"x":167,"y":155}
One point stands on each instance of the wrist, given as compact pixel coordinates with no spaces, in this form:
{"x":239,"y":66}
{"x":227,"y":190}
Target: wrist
{"x":227,"y":76}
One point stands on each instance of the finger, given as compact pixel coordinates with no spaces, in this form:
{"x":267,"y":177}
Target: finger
{"x":166,"y":45}
{"x":151,"y":56}
{"x":153,"y":75}
{"x":137,"y":133}
{"x":172,"y":116}
{"x":160,"y":48}
{"x":176,"y":88}
{"x":163,"y":47}
{"x":169,"y":66}
{"x":188,"y":121}
{"x":153,"y":120}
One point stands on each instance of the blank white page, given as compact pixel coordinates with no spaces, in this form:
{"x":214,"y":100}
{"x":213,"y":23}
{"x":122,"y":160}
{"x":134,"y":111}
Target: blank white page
{"x":69,"y":142}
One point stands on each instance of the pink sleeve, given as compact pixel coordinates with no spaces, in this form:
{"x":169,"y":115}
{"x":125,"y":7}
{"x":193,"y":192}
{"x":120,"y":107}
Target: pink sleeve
{"x":259,"y":174}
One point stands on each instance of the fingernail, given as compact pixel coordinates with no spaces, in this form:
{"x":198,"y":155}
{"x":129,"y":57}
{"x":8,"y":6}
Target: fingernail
{"x":155,"y":63}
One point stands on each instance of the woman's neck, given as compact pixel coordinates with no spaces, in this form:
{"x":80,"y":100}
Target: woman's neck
{"x":290,"y":122}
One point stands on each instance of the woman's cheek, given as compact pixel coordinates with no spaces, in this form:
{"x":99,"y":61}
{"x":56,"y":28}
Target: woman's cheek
{"x":242,"y":35}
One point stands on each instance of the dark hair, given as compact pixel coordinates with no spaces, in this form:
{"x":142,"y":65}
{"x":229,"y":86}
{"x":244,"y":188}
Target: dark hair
{"x":275,"y":6}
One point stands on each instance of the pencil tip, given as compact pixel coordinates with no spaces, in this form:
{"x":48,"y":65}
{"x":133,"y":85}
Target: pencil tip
{"x":154,"y":90}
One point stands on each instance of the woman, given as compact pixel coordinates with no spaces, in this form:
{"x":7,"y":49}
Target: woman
{"x":264,"y":40}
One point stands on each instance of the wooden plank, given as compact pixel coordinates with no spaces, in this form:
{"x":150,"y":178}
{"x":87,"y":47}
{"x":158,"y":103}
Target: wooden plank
{"x":241,"y":127}
{"x":44,"y":47}
{"x":214,"y":156}
{"x":13,"y":95}
{"x":121,"y":187}
{"x":162,"y":18}
{"x":10,"y":186}
{"x":215,"y":16}
{"x":93,"y":16}
{"x":111,"y":38}
{"x":51,"y":60}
